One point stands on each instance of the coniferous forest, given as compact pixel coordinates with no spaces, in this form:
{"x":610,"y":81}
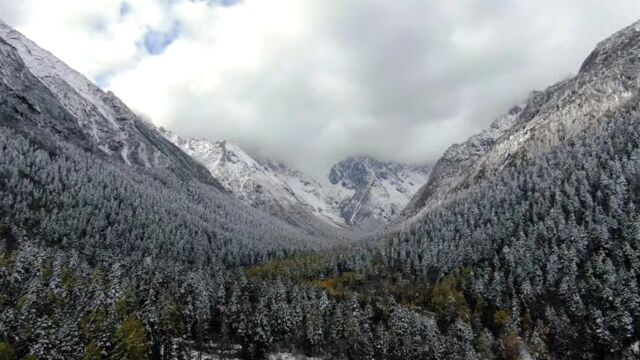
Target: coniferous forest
{"x":101,"y":259}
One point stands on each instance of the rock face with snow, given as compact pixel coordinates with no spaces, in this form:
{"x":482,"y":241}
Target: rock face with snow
{"x":50,"y":97}
{"x":360,"y":191}
{"x":457,"y":159}
{"x":608,"y":80}
{"x":274,"y":187}
{"x":379,"y":190}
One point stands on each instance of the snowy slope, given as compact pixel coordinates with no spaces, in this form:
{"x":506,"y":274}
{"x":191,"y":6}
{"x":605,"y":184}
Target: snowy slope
{"x":607,"y":81}
{"x":77,"y":94}
{"x":359,"y":191}
{"x":457,"y":159}
{"x":63,"y":101}
{"x":380,"y":190}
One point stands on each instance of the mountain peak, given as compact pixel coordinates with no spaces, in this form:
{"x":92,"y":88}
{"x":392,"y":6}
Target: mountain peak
{"x":620,"y":48}
{"x":381,"y":189}
{"x":362,"y":191}
{"x":360,"y":170}
{"x":353,"y":171}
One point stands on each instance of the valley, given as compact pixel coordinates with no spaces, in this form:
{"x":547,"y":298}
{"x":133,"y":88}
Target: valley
{"x":123,"y":240}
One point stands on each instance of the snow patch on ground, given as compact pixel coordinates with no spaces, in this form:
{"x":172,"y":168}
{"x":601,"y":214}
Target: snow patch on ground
{"x":289,"y":356}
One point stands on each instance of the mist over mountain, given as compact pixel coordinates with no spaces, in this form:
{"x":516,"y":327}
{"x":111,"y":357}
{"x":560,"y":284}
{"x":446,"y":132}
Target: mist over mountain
{"x":359,"y":193}
{"x":309,"y":82}
{"x":123,"y":240}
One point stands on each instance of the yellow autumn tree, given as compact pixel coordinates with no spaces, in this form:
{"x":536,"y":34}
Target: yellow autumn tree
{"x":132,"y":340}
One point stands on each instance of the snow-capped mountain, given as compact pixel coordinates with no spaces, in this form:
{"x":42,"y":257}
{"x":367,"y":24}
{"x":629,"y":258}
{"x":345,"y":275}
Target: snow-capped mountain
{"x":263,"y":184}
{"x":379,"y":190}
{"x":359,"y":191}
{"x":606,"y":83}
{"x":54,"y":101}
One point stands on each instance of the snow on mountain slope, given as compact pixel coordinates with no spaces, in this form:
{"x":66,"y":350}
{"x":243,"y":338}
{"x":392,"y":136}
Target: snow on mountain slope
{"x":457,"y":159}
{"x":263,"y":184}
{"x":380,"y":189}
{"x":608,"y":80}
{"x":83,"y":99}
{"x":315,"y":196}
{"x":360,"y":191}
{"x":51,"y":97}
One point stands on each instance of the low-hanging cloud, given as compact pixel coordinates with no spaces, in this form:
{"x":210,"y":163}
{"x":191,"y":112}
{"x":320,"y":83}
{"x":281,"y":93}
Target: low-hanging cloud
{"x":312,"y":81}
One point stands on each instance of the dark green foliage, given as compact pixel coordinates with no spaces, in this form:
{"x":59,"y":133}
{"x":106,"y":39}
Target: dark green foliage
{"x":7,"y":351}
{"x":552,"y":241}
{"x":131,"y":340}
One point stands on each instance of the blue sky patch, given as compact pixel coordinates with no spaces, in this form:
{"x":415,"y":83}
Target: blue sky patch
{"x":230,"y":2}
{"x":125,"y":9}
{"x":103,"y":80}
{"x":156,"y":42}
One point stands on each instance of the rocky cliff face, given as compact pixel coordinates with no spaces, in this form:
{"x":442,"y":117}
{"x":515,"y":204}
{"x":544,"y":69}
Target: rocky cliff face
{"x":457,"y":159}
{"x":608,"y":80}
{"x":380,"y":189}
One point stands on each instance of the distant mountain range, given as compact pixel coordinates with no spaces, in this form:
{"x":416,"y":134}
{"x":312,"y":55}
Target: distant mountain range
{"x":359,"y":191}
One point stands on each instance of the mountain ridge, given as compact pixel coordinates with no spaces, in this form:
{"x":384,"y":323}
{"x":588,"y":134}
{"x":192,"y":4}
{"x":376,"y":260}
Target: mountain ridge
{"x":359,"y":191}
{"x":606,"y":81}
{"x":95,"y":120}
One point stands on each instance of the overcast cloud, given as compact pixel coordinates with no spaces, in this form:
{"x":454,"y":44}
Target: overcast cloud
{"x":312,"y":81}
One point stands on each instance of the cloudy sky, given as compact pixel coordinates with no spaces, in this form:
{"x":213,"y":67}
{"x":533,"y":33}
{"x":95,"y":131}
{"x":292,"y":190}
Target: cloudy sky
{"x":312,"y":81}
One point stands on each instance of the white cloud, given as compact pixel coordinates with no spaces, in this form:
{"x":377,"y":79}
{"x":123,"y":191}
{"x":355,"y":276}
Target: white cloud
{"x":95,"y":37}
{"x":12,"y":12}
{"x":310,"y":81}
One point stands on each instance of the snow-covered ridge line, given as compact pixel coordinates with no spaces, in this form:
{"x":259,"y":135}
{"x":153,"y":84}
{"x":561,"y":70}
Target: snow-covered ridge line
{"x":61,"y":79}
{"x":64,"y":101}
{"x":606,"y":82}
{"x":360,"y":191}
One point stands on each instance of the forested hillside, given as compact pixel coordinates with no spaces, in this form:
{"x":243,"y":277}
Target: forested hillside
{"x":607,"y":80}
